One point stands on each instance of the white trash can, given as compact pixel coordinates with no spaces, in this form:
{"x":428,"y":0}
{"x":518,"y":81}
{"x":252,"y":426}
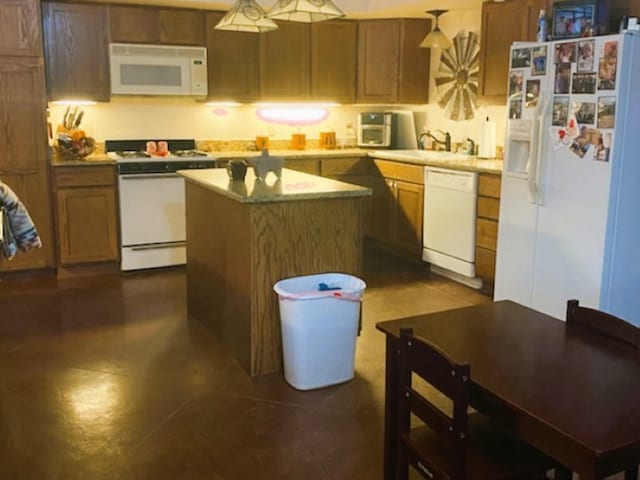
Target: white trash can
{"x":319,"y":317}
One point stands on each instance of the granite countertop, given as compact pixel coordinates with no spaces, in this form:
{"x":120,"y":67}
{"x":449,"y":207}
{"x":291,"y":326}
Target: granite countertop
{"x":337,"y":153}
{"x":292,"y":186}
{"x":91,"y":160}
{"x":453,"y":161}
{"x":103,"y":159}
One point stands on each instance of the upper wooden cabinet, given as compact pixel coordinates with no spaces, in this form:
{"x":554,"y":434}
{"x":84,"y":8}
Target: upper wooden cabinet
{"x":20,"y":33}
{"x":285,"y":62}
{"x":502,"y":24}
{"x":232,"y":63}
{"x":138,"y":24}
{"x":333,"y":61}
{"x":392,"y":68}
{"x":76,"y":51}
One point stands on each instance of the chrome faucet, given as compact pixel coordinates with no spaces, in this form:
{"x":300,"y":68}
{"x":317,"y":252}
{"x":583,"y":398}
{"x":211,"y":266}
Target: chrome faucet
{"x":421,"y":140}
{"x":446,"y":142}
{"x":471,"y":147}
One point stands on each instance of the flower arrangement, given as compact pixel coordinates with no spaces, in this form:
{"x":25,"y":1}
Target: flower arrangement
{"x":72,"y":142}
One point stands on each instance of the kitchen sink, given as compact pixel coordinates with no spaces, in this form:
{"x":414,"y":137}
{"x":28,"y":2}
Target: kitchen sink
{"x":421,"y":155}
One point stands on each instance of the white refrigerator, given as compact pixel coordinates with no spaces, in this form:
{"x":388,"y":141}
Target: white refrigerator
{"x":570,"y":202}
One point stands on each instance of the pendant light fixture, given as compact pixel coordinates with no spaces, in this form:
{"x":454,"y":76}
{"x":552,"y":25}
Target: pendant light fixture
{"x":435,"y":38}
{"x":246,"y":16}
{"x":307,"y":11}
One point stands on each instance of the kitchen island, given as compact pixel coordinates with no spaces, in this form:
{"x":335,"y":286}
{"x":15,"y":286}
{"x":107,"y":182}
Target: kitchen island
{"x":242,"y":237}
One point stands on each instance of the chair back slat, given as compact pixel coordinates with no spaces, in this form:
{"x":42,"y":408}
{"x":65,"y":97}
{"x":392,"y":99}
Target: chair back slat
{"x":603,"y":323}
{"x":429,"y":413}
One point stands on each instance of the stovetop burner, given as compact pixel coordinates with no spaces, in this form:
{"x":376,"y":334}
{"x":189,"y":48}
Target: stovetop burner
{"x":132,"y":154}
{"x":189,"y":153}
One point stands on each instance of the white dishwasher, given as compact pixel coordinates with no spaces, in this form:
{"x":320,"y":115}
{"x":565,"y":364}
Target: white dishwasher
{"x":449,"y":228}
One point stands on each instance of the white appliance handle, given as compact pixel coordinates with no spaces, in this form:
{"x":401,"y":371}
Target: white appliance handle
{"x":540,"y":144}
{"x":533,"y":172}
{"x":534,"y":158}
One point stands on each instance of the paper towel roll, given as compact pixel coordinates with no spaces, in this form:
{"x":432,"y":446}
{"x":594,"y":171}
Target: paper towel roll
{"x":487,"y":141}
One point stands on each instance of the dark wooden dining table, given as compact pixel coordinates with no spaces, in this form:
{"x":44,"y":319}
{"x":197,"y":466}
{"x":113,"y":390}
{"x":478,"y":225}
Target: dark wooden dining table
{"x":570,"y":392}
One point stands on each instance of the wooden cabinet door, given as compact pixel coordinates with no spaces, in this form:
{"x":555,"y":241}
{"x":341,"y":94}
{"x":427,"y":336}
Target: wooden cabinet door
{"x":408,"y":217}
{"x":378,"y":61}
{"x":413,"y":81}
{"x":333,"y":61}
{"x":23,"y":130}
{"x":232,"y":63}
{"x":285,"y":62}
{"x":76,"y":51}
{"x":133,"y":24}
{"x":142,"y":24}
{"x":23,"y":152}
{"x":383,"y":207}
{"x":487,"y":225}
{"x":182,"y":27}
{"x":304,"y":165}
{"x":20,"y":33}
{"x":392,"y":67}
{"x":502,"y":24}
{"x":87,"y":229}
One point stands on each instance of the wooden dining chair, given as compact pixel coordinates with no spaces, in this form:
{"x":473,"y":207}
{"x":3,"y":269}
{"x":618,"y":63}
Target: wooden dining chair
{"x":457,"y":446}
{"x":603,"y":323}
{"x":610,"y":326}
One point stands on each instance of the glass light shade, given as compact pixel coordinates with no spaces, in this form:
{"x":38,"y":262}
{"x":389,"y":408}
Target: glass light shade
{"x":246,"y":16}
{"x":436,"y":39}
{"x":307,"y":11}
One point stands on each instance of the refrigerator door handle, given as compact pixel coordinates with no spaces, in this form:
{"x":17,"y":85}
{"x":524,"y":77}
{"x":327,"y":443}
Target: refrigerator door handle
{"x":534,"y":159}
{"x":533,"y":173}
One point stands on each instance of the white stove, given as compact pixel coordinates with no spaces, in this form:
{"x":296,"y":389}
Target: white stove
{"x":152,"y":201}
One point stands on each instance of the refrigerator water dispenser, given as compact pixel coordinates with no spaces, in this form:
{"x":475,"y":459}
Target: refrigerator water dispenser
{"x":520,"y":143}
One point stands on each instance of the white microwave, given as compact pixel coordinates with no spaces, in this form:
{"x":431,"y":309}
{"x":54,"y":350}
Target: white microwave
{"x":157,"y":70}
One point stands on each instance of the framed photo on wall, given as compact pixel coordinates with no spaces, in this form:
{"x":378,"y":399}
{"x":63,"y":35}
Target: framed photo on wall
{"x":578,"y":18}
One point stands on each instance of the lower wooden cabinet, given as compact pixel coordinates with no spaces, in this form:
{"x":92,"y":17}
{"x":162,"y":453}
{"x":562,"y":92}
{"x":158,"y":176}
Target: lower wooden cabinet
{"x":398,"y":206}
{"x":487,"y":225}
{"x":86,"y":208}
{"x":304,"y":165}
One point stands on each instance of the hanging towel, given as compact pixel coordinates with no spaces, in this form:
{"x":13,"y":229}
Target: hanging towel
{"x":19,"y":232}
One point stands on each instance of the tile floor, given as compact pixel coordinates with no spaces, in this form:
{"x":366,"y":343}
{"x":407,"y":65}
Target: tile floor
{"x":107,"y":378}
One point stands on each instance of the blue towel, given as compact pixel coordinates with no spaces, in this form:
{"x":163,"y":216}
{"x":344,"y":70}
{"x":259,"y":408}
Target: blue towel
{"x":18,"y":230}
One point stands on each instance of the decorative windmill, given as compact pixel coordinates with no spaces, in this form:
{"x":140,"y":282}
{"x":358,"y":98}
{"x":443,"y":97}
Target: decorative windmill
{"x":457,"y":76}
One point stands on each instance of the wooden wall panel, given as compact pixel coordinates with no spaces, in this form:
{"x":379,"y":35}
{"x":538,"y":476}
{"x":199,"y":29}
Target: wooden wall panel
{"x":219,"y":268}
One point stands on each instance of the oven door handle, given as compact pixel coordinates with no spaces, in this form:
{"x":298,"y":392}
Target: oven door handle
{"x":141,"y":176}
{"x":155,"y":246}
